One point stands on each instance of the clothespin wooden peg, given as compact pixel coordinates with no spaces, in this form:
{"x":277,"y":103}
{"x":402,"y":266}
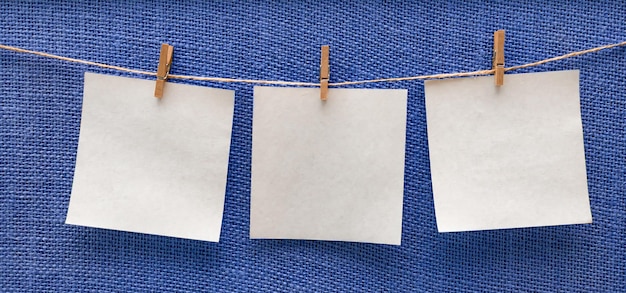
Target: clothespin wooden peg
{"x":498,"y":56}
{"x":165,"y":62}
{"x":324,"y":72}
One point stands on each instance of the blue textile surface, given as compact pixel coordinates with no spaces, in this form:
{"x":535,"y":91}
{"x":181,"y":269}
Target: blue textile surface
{"x":40,"y":106}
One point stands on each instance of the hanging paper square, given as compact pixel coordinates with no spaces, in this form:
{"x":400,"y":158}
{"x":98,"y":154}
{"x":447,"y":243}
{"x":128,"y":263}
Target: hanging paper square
{"x":150,"y":165}
{"x":328,"y":170}
{"x":509,"y":156}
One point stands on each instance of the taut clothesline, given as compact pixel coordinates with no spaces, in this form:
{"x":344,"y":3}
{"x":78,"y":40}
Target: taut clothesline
{"x":296,"y":83}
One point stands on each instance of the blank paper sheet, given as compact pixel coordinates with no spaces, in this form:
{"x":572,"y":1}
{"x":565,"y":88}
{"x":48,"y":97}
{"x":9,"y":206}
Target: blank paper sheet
{"x":509,"y":156}
{"x":328,"y":170}
{"x":148,"y":165}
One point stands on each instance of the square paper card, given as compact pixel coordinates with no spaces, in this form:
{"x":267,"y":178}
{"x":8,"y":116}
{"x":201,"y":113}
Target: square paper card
{"x":509,"y":156}
{"x":148,"y":165}
{"x":330,"y":170}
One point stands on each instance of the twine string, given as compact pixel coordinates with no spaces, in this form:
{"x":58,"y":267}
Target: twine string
{"x":297,"y":83}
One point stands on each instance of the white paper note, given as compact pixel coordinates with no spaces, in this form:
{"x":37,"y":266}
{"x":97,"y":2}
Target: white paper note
{"x":509,"y":156}
{"x":329,"y":170}
{"x":148,"y":165}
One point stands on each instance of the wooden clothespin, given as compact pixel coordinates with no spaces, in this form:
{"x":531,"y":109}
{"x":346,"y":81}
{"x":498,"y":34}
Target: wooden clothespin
{"x":324,"y":72}
{"x":498,"y":56}
{"x":165,"y":63}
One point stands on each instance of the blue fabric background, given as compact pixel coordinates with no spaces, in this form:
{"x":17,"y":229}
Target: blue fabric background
{"x":40,"y":106}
